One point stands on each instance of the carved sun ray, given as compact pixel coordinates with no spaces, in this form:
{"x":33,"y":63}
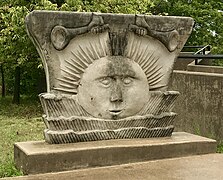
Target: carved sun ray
{"x":135,"y":50}
{"x":139,"y":53}
{"x":75,"y":76}
{"x":64,"y":80}
{"x":94,"y":50}
{"x":66,"y":90}
{"x":67,"y":86}
{"x":99,"y":49}
{"x":154,"y":83}
{"x":82,"y":54}
{"x":102,"y":48}
{"x":78,"y":60}
{"x":142,"y":55}
{"x":91,"y":53}
{"x":68,"y":78}
{"x":148,"y":61}
{"x":130,"y":44}
{"x":83,"y":57}
{"x":86,"y":55}
{"x":140,"y":50}
{"x":76,"y":66}
{"x":149,"y":65}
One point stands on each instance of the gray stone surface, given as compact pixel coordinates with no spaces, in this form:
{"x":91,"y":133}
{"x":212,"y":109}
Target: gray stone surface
{"x":205,"y":68}
{"x":202,"y":167}
{"x":40,"y":157}
{"x":199,"y":106}
{"x":107,"y":74}
{"x":182,"y":63}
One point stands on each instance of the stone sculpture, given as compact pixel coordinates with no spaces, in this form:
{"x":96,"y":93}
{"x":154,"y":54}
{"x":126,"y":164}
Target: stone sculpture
{"x":107,"y":74}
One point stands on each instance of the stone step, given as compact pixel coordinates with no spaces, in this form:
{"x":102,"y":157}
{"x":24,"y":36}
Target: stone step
{"x":40,"y":157}
{"x":205,"y":167}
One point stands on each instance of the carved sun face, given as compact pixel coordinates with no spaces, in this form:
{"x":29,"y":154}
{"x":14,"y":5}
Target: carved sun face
{"x":112,"y":88}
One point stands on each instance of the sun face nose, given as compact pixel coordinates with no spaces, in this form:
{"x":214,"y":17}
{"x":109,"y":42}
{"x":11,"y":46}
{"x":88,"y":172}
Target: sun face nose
{"x":116,"y":92}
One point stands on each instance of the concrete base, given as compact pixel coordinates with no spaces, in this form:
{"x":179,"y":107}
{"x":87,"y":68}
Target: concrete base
{"x":205,"y":167}
{"x":40,"y":157}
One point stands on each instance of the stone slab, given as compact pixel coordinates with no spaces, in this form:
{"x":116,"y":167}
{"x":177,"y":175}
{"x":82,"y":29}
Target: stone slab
{"x":40,"y":157}
{"x":199,"y":104}
{"x":205,"y":167}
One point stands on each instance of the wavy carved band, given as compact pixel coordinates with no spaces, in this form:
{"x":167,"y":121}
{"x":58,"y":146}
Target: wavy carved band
{"x":68,"y":122}
{"x":69,"y":136}
{"x":79,"y":124}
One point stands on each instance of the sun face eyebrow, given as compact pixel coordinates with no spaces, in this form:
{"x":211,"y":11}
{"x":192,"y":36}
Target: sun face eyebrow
{"x":120,"y":72}
{"x":103,"y":77}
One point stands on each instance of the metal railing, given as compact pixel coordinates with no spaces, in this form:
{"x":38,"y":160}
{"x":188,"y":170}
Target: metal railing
{"x":202,"y":53}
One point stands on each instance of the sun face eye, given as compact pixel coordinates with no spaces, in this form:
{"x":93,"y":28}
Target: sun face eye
{"x":105,"y":81}
{"x":127,"y":80}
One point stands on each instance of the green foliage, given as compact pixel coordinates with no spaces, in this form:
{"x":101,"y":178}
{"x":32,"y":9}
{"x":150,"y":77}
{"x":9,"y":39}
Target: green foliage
{"x":217,"y":62}
{"x":109,"y":6}
{"x":208,"y":20}
{"x":13,"y":38}
{"x":45,"y":5}
{"x":220,"y":148}
{"x":8,"y":169}
{"x":16,"y":49}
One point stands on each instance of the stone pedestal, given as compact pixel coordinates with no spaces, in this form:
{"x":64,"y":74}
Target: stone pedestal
{"x":40,"y":157}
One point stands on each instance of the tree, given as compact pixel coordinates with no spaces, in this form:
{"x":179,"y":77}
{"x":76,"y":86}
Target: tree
{"x":18,"y":54}
{"x":16,"y":49}
{"x":109,"y":6}
{"x":3,"y":79}
{"x":15,"y":46}
{"x":208,"y":20}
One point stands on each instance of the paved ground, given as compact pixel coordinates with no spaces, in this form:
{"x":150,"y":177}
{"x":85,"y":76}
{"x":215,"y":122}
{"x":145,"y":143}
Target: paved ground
{"x":203,"y":167}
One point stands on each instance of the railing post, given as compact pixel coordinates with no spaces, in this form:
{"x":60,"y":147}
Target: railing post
{"x":196,"y":61}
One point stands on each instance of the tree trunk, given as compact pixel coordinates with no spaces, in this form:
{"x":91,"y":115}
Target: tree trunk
{"x":16,"y":96}
{"x":3,"y":81}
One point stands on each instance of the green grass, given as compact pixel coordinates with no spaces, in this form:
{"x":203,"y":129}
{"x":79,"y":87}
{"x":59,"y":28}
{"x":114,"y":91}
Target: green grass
{"x":17,"y":123}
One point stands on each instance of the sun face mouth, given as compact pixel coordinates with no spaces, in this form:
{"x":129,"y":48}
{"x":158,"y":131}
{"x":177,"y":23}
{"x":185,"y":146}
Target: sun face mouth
{"x":115,"y":112}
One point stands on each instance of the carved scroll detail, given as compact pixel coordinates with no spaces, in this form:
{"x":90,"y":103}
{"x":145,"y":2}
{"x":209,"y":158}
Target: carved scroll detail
{"x":169,"y":38}
{"x":61,"y":36}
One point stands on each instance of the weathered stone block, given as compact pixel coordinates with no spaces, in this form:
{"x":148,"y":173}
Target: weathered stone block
{"x":107,"y":74}
{"x":40,"y":157}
